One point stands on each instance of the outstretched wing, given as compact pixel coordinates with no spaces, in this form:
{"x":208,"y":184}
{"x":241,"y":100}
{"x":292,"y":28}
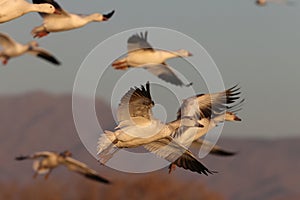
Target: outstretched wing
{"x":41,"y":53}
{"x":166,"y":73}
{"x":209,"y":105}
{"x":173,"y":152}
{"x":81,"y":168}
{"x":6,"y":41}
{"x":42,"y":154}
{"x":52,"y":2}
{"x":136,"y":103}
{"x":214,"y":149}
{"x":138,"y":41}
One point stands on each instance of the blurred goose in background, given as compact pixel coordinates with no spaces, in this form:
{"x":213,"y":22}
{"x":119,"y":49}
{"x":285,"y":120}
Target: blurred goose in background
{"x":64,"y":21}
{"x":137,"y":127}
{"x":11,"y":9}
{"x":141,"y":54}
{"x":45,"y":161}
{"x":264,"y":2}
{"x":12,"y":49}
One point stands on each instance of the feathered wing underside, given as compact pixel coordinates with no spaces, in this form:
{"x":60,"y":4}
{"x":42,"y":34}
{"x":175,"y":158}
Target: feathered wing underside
{"x":210,"y":105}
{"x":166,"y":73}
{"x":186,"y":135}
{"x":41,"y":53}
{"x":173,"y":152}
{"x":137,"y":102}
{"x":138,"y":42}
{"x":6,"y":41}
{"x":106,"y":148}
{"x":54,"y":3}
{"x":81,"y":168}
{"x":36,"y":167}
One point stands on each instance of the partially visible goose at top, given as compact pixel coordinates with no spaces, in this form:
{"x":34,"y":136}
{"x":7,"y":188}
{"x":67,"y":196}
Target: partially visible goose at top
{"x":11,"y":49}
{"x":141,"y":54}
{"x":64,"y":21}
{"x":137,"y":127}
{"x":11,"y":9}
{"x":264,"y":2}
{"x":45,"y":161}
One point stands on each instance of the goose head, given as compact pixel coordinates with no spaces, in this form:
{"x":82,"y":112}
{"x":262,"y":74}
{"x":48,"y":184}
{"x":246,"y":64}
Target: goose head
{"x":230,"y":116}
{"x":44,"y":8}
{"x":66,"y":154}
{"x":183,"y":53}
{"x":32,"y":45}
{"x":261,"y":2}
{"x":108,"y":15}
{"x":97,"y":17}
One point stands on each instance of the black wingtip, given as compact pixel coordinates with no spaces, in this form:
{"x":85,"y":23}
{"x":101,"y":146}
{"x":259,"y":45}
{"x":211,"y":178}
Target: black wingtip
{"x":223,"y":153}
{"x":108,"y":15}
{"x":49,"y":58}
{"x":97,"y":178}
{"x":21,"y":157}
{"x":189,"y":84}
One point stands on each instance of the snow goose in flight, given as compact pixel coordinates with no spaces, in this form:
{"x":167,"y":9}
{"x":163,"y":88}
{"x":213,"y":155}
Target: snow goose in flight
{"x":216,"y":150}
{"x":65,"y":21}
{"x":137,"y":127}
{"x":209,"y":110}
{"x":45,"y":161}
{"x":141,"y":54}
{"x":11,"y":49}
{"x":264,"y":2}
{"x":11,"y":9}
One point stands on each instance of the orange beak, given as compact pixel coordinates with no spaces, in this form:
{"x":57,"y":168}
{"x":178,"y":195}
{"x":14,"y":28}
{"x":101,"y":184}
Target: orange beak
{"x":58,"y":12}
{"x":237,"y":118}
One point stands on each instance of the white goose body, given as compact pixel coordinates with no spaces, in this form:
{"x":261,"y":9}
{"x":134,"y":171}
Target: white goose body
{"x":11,"y":49}
{"x":43,"y":166}
{"x":12,"y":9}
{"x":142,"y":58}
{"x":142,"y":55}
{"x":57,"y":23}
{"x":134,"y":136}
{"x":208,"y":125}
{"x":64,"y":21}
{"x":138,"y":128}
{"x":16,"y":50}
{"x":209,"y":110}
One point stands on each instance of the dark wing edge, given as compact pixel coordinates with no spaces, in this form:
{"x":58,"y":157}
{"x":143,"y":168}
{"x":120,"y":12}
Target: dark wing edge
{"x":81,"y":168}
{"x":173,"y":152}
{"x":217,"y":103}
{"x":48,"y":58}
{"x":139,"y":41}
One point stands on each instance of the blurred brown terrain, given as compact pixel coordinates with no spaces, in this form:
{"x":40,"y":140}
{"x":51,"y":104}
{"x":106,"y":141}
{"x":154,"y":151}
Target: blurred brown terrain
{"x":262,"y":169}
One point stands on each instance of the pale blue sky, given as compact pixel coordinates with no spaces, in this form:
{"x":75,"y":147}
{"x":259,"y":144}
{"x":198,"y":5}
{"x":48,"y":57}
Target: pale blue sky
{"x":257,"y":47}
